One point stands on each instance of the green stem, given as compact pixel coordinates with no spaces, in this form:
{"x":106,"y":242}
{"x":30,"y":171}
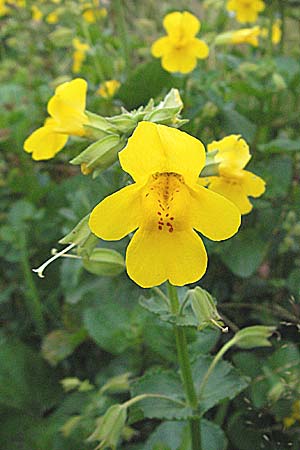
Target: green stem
{"x":185,"y":369}
{"x":141,"y":397}
{"x":215,"y":361}
{"x":33,"y":301}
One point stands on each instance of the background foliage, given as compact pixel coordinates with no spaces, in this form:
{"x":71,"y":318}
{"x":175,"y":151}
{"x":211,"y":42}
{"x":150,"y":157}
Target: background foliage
{"x":75,"y":324}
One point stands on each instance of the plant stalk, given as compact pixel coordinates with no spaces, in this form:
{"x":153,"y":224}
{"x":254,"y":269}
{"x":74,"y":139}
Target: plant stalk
{"x":185,"y":369}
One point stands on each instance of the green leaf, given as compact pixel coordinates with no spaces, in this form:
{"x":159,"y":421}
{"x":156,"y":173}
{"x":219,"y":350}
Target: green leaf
{"x":22,"y":378}
{"x":234,"y":122}
{"x":163,"y":382}
{"x":278,"y":174}
{"x":244,"y":253}
{"x":281,"y":145}
{"x":59,"y":344}
{"x":224,"y":382}
{"x":110,"y":328}
{"x":175,"y":436}
{"x":159,"y":307}
{"x":145,"y":82}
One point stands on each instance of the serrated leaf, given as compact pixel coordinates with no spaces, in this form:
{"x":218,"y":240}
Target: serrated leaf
{"x":163,"y":382}
{"x":224,"y":382}
{"x":158,"y":306}
{"x":110,"y":330}
{"x":175,"y":436}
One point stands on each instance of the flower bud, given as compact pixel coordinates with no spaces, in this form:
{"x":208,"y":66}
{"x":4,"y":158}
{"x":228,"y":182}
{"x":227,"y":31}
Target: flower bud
{"x":119,"y":383}
{"x":167,"y":110}
{"x":100,"y":155}
{"x":110,"y":427}
{"x":278,"y":81}
{"x":105,"y":262}
{"x":123,"y":123}
{"x":255,"y":336}
{"x":205,"y":310}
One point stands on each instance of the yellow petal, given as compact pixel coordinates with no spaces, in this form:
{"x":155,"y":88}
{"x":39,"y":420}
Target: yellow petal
{"x":44,"y":143}
{"x":171,"y":61}
{"x":117,"y":215}
{"x":181,"y":25}
{"x":67,"y":106}
{"x":154,"y":257}
{"x":233,"y":151}
{"x":234,"y":192}
{"x":199,"y":48}
{"x":161,"y":46}
{"x":252,"y":184}
{"x":157,"y":148}
{"x":213,"y":215}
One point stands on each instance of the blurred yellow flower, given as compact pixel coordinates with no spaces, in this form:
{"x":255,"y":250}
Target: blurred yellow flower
{"x":165,"y":205}
{"x":3,"y":8}
{"x":79,"y":54}
{"x":108,"y":88}
{"x":37,"y":14}
{"x":290,"y":420}
{"x":91,"y":15}
{"x":233,"y":182}
{"x":276,"y":32}
{"x":245,"y":10}
{"x":180,"y":49}
{"x":242,"y":36}
{"x":67,"y":117}
{"x":52,"y":17}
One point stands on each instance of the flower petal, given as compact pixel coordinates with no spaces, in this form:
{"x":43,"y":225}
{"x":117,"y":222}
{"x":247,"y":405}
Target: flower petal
{"x":180,"y":25}
{"x":234,"y":192}
{"x":199,"y":48}
{"x":73,"y":93}
{"x":213,"y":215}
{"x":67,"y":106}
{"x":161,"y":47}
{"x":157,"y":148}
{"x":117,"y":215}
{"x":252,"y":184}
{"x":44,"y":143}
{"x":233,"y":151}
{"x":154,"y":257}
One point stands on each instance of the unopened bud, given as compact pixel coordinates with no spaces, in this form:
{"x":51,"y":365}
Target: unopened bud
{"x":105,"y":262}
{"x":205,"y":309}
{"x":255,"y":336}
{"x":110,"y":427}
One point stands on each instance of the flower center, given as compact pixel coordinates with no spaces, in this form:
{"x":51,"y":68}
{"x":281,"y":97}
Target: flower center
{"x":165,"y":202}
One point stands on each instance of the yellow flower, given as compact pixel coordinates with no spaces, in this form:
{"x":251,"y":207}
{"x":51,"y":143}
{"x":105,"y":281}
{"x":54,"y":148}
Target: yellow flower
{"x":276,"y":32}
{"x":290,"y":420}
{"x":37,"y":14}
{"x":242,"y":36}
{"x":108,"y":88}
{"x":3,"y":8}
{"x":165,"y":205}
{"x":52,"y":17}
{"x":78,"y":54}
{"x":245,"y":10}
{"x":92,"y":13}
{"x":66,"y":109}
{"x":233,"y":182}
{"x":180,"y":49}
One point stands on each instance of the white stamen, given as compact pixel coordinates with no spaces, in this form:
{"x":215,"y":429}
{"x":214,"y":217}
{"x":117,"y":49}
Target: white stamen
{"x":54,"y":251}
{"x":41,"y":269}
